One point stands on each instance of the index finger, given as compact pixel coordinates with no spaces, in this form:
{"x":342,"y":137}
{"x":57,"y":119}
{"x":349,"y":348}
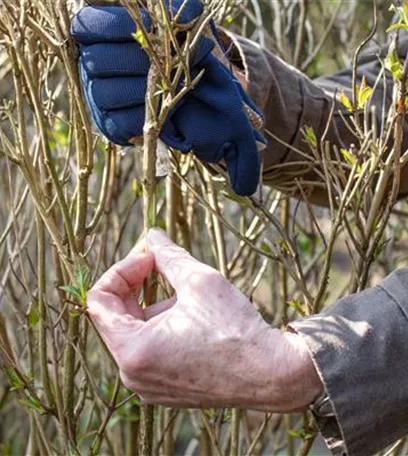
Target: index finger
{"x":128,"y":275}
{"x":105,"y":24}
{"x":175,"y":263}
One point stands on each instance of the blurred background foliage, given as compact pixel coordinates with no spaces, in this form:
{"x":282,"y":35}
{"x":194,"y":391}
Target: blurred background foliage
{"x":71,"y":206}
{"x":331,"y":33}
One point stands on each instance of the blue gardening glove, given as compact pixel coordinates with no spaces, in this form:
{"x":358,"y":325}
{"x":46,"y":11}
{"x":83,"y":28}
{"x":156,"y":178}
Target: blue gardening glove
{"x":213,"y":120}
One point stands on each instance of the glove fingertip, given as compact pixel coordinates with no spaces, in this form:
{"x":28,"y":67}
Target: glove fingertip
{"x":243,"y":167}
{"x":190,"y":12}
{"x":260,"y":137}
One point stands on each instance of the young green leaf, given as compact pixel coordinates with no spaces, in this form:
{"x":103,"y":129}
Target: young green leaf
{"x":162,"y":88}
{"x":33,"y":318}
{"x":15,"y":378}
{"x":303,"y":241}
{"x":75,"y":292}
{"x":364,"y":96}
{"x":310,"y":136}
{"x":345,"y":101}
{"x":32,"y":403}
{"x":300,"y":434}
{"x":399,"y":26}
{"x":364,"y":93}
{"x":349,"y":157}
{"x":393,"y":64}
{"x":82,"y":282}
{"x":139,"y":36}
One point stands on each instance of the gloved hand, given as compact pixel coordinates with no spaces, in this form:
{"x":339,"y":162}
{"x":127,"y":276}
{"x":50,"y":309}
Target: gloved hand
{"x":212,"y":120}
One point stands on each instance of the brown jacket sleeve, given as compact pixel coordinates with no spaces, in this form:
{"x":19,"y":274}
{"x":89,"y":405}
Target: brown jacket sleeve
{"x":360,"y":350}
{"x":291,"y":101}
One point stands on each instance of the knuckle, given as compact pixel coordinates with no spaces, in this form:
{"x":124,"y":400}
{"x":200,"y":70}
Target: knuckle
{"x":175,"y":255}
{"x":136,"y":364}
{"x":208,"y":279}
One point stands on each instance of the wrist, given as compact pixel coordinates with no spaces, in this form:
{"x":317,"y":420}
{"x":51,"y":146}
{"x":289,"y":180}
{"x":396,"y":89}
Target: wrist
{"x":290,"y":377}
{"x":276,"y":371}
{"x":302,"y":374}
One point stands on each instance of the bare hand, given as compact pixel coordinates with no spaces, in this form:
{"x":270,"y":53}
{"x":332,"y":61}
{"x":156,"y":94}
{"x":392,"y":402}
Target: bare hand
{"x":205,"y":347}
